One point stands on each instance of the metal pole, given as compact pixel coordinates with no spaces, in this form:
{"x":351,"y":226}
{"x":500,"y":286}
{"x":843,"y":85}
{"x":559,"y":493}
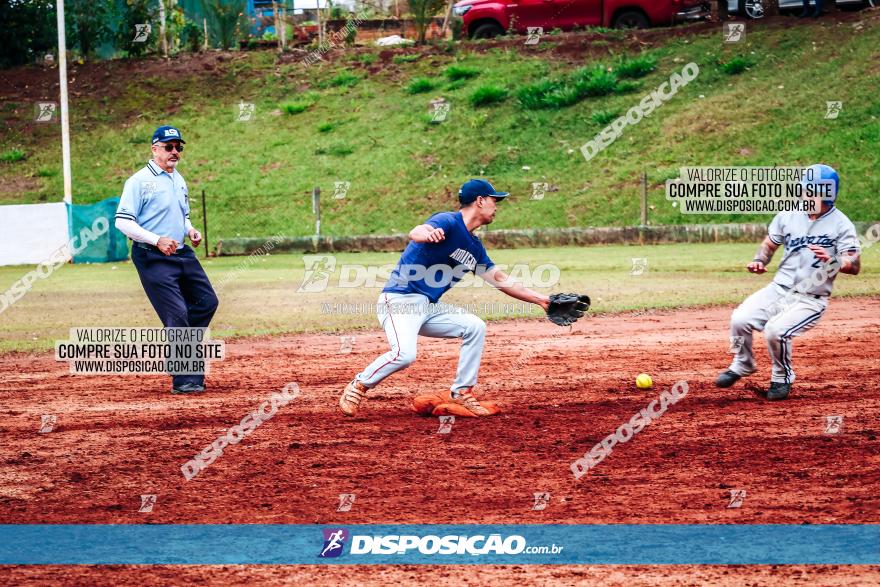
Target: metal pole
{"x":205,"y":24}
{"x":205,"y":224}
{"x":275,"y":24}
{"x":65,"y":123}
{"x":446,"y":19}
{"x":164,"y":43}
{"x":320,"y":27}
{"x":644,"y":198}
{"x":283,"y":34}
{"x":316,"y":209}
{"x":280,"y":25}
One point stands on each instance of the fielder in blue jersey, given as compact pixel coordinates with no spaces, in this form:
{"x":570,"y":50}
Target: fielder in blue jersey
{"x":441,"y":251}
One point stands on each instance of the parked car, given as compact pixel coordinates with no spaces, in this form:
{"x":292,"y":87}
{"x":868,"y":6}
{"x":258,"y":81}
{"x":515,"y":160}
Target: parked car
{"x":755,"y":8}
{"x":489,"y":18}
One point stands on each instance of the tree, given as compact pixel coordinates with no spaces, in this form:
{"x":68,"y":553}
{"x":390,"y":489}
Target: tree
{"x":89,"y":24}
{"x":131,"y":14}
{"x":423,"y":11}
{"x":189,"y":32}
{"x":224,"y":17}
{"x":719,"y":10}
{"x":35,"y":31}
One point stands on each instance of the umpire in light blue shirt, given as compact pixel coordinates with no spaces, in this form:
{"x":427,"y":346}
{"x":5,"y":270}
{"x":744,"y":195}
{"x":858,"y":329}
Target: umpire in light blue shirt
{"x":154,"y":213}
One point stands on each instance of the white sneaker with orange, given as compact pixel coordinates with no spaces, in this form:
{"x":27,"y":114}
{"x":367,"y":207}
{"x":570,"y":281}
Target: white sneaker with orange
{"x":351,"y":397}
{"x":468,"y":401}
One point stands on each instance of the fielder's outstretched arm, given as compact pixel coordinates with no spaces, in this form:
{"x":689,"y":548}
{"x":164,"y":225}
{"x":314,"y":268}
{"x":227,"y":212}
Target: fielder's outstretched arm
{"x":502,"y":281}
{"x":763,"y":256}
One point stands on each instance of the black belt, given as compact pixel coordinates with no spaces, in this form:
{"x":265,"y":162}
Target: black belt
{"x":801,"y":292}
{"x":153,"y":247}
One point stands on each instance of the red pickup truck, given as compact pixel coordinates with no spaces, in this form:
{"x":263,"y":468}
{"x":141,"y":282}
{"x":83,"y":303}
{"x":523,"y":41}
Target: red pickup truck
{"x":489,"y":18}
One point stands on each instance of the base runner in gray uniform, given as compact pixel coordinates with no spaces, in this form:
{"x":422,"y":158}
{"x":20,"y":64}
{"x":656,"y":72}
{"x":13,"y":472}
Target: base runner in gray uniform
{"x":817,"y":247}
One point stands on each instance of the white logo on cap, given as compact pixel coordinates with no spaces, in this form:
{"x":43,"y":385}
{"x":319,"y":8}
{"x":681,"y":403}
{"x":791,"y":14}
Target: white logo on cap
{"x":172,"y":132}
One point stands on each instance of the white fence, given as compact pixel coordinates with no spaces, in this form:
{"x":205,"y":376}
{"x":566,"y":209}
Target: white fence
{"x":30,"y":233}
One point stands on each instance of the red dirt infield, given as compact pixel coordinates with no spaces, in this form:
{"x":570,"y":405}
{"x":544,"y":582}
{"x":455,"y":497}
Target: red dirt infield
{"x":119,"y":437}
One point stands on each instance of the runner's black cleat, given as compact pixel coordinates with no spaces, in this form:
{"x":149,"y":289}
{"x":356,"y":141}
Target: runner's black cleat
{"x":727,"y":379}
{"x":778,"y":391}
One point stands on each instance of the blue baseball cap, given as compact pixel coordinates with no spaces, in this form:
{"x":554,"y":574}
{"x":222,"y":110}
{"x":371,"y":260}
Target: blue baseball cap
{"x":471,"y":190}
{"x":167,"y":133}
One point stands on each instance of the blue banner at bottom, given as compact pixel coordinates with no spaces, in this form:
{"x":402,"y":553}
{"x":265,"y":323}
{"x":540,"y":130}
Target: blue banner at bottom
{"x":613,"y":544}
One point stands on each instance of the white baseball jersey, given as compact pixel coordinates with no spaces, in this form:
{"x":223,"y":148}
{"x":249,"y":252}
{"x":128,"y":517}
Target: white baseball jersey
{"x":833,"y":231}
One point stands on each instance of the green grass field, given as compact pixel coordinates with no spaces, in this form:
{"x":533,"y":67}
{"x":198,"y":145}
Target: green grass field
{"x":260,"y":296}
{"x":334,"y":121}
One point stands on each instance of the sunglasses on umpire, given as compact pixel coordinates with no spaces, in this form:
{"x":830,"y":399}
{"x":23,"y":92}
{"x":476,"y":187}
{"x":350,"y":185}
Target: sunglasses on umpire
{"x":169,"y":148}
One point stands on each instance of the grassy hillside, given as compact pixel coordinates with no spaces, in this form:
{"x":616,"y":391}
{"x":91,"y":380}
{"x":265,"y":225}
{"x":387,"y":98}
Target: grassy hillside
{"x":360,"y":117}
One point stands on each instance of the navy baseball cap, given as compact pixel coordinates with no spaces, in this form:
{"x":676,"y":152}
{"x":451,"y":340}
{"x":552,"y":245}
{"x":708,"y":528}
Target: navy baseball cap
{"x":167,"y":133}
{"x":471,"y":190}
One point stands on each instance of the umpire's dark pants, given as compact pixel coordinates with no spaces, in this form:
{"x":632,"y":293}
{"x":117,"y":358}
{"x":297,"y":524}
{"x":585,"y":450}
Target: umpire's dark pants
{"x":178,"y":289}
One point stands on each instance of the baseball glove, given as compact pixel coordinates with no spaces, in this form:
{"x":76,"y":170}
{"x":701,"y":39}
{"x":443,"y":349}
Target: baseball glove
{"x":566,"y":308}
{"x":433,"y":404}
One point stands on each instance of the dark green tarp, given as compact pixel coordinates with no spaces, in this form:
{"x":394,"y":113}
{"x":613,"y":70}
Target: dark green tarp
{"x":94,"y":238}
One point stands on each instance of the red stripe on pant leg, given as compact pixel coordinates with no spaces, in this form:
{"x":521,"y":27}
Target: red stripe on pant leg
{"x":396,"y":338}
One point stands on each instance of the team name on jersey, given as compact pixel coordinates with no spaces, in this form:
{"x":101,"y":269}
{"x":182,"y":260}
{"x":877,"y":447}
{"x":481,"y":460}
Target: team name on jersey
{"x":465,"y":258}
{"x":794,"y":244}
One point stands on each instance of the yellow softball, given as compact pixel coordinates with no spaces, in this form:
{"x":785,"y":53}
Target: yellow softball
{"x":643,"y":381}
